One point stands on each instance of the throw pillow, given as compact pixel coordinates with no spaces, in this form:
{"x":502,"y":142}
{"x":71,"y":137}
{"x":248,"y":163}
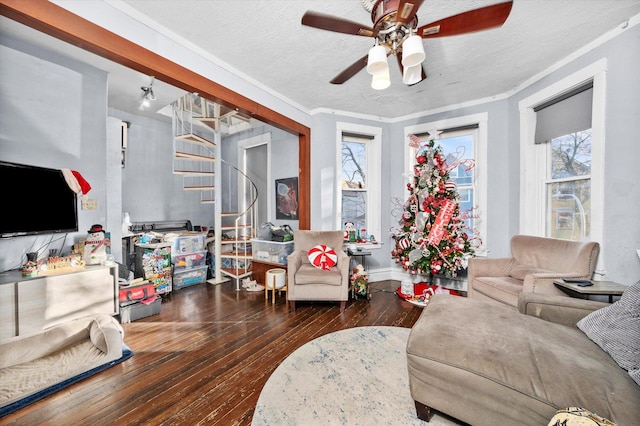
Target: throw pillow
{"x":97,"y":336}
{"x":616,"y":329}
{"x":576,"y":416}
{"x":323,"y":257}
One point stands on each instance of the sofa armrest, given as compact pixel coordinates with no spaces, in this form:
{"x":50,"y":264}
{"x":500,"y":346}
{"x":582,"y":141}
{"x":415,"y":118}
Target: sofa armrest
{"x":483,"y":267}
{"x":559,"y":309}
{"x":542,"y":282}
{"x":344,"y":262}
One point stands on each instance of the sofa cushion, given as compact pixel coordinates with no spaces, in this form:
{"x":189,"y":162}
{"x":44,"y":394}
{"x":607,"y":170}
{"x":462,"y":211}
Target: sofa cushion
{"x":509,"y":368}
{"x":502,"y":289}
{"x":520,"y":271}
{"x":323,"y":257}
{"x":616,"y":329}
{"x":308,"y":274}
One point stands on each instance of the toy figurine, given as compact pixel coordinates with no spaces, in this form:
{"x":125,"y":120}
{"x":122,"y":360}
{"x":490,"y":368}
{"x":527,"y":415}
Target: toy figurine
{"x":349,"y":232}
{"x":95,"y":246}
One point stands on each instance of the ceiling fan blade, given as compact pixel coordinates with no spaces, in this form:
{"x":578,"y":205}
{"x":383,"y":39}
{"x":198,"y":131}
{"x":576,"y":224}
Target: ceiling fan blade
{"x":338,"y":25}
{"x":407,"y":9}
{"x":352,"y":70}
{"x":474,"y":20}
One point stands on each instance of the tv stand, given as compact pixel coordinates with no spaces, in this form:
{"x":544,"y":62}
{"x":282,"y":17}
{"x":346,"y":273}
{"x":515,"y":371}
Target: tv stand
{"x":29,"y":305}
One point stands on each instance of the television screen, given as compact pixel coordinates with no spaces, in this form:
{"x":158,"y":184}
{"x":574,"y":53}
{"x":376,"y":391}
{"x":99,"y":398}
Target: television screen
{"x":36,"y":200}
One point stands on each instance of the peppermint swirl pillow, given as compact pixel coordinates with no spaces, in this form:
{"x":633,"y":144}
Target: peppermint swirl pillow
{"x":323,"y":257}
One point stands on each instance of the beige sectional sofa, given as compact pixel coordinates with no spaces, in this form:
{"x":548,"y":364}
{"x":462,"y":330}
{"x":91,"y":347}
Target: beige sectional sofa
{"x":485,"y":363}
{"x":30,"y":364}
{"x":534,"y":264}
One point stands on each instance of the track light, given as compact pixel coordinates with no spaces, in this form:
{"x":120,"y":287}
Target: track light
{"x":147,"y":95}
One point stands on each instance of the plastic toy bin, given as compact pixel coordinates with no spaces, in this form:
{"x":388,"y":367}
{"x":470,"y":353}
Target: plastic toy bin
{"x":271,"y":251}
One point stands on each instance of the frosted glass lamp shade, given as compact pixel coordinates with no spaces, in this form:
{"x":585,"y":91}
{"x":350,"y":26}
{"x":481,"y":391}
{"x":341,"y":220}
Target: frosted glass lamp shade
{"x":412,"y":51}
{"x":377,"y":61}
{"x":412,"y":75}
{"x":381,"y":80}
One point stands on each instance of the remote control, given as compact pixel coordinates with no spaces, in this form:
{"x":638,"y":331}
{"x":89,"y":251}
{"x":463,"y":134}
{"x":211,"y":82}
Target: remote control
{"x":576,"y":280}
{"x":585,"y":284}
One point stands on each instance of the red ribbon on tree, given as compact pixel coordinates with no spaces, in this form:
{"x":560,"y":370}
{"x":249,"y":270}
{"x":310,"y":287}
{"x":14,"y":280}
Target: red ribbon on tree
{"x":444,"y":216}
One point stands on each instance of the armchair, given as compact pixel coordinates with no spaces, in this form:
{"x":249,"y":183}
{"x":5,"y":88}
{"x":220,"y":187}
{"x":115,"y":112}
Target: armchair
{"x":308,"y":283}
{"x":534,"y":264}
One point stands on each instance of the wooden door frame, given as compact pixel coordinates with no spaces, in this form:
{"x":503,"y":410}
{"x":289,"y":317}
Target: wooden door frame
{"x":58,"y":22}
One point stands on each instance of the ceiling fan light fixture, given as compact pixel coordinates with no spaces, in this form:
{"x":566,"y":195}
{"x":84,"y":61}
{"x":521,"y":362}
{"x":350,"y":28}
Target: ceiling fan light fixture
{"x":381,"y":80}
{"x":412,"y":51}
{"x":412,"y":75}
{"x":377,"y":60}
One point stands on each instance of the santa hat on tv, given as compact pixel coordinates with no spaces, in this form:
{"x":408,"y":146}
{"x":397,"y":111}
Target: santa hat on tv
{"x":76,"y":182}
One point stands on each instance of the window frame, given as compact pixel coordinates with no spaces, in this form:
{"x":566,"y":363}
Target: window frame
{"x":534,"y":157}
{"x":374,"y":177}
{"x":479,"y":155}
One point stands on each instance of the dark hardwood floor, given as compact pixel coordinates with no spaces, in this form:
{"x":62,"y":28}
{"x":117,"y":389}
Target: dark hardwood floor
{"x":205,"y":358}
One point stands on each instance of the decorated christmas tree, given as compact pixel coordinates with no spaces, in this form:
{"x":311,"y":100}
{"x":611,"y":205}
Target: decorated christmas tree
{"x":433,"y":237}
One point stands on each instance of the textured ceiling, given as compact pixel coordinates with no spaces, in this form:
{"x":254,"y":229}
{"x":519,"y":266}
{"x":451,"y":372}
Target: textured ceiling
{"x":265,"y":42}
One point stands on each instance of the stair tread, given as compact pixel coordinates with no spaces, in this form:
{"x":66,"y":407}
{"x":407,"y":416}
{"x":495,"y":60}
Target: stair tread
{"x":193,"y":138}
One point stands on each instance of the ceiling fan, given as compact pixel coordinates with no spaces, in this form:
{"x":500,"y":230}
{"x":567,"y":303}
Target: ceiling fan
{"x":396,"y":32}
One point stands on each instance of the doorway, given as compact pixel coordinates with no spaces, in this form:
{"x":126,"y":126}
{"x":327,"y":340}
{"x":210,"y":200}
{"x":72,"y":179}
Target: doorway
{"x":254,"y":154}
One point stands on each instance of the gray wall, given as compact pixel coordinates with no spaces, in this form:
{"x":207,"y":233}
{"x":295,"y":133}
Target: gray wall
{"x":53,"y":115}
{"x":283,"y":164}
{"x":150,"y":190}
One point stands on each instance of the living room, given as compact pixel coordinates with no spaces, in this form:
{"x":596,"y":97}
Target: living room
{"x":501,"y":212}
{"x":50,"y":134}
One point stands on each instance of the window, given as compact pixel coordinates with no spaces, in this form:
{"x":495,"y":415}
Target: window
{"x":463,"y":141}
{"x":568,"y":187}
{"x":562,"y":168}
{"x":359,"y":177}
{"x":458,"y":146}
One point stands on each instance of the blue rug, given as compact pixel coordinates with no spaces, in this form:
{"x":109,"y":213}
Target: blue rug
{"x":8,"y":409}
{"x":357,"y":376}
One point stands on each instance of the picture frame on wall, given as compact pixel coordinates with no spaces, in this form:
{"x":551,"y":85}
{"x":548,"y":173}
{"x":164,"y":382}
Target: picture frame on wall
{"x":287,"y":198}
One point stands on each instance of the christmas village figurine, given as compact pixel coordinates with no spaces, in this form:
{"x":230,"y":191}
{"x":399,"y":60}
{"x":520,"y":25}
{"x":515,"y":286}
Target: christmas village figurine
{"x":349,"y":232}
{"x":95,"y":246}
{"x":433,"y":237}
{"x":29,"y":269}
{"x":360,"y":282}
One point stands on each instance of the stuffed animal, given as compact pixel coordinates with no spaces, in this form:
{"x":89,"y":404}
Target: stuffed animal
{"x":360,"y":281}
{"x":349,"y":231}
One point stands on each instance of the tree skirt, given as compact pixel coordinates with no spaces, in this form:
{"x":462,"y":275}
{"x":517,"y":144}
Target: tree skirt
{"x":356,"y":376}
{"x":422,"y":292}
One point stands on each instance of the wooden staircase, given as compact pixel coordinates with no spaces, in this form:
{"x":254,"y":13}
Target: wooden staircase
{"x":197,"y":141}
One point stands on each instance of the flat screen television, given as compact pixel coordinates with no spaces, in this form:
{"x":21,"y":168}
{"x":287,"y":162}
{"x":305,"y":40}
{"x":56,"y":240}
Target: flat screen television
{"x":35,"y":200}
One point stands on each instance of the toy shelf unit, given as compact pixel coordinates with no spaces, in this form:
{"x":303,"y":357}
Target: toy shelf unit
{"x":153,"y":263}
{"x":189,"y":259}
